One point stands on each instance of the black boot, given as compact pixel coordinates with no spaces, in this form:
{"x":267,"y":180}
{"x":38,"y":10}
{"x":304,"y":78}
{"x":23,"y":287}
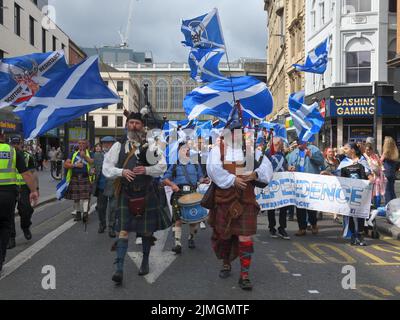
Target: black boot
{"x":78,"y":216}
{"x":122,"y":248}
{"x":146,"y":245}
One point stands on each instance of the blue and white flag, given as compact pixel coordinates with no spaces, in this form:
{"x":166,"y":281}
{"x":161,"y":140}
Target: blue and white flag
{"x":78,"y":91}
{"x":204,"y":64}
{"x":279,"y":129}
{"x":306,"y":119}
{"x":204,"y":31}
{"x":61,"y":188}
{"x":317,"y":60}
{"x":22,"y":77}
{"x":216,"y":99}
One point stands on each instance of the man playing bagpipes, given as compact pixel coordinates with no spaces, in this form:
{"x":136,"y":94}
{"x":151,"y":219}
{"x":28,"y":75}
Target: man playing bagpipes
{"x":139,"y":204}
{"x":233,"y":205}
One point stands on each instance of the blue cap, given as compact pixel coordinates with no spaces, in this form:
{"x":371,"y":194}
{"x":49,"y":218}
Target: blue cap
{"x":108,"y":139}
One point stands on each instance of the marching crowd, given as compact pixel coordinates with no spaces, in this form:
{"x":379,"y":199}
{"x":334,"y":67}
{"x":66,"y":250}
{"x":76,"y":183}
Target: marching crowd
{"x":129,"y":186}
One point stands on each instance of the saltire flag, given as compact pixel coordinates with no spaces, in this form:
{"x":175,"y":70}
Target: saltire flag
{"x":317,"y":60}
{"x":77,"y":91}
{"x":306,"y":118}
{"x":61,"y":189}
{"x":204,"y":64}
{"x":22,"y":77}
{"x":216,"y":99}
{"x":204,"y":31}
{"x":279,"y":129}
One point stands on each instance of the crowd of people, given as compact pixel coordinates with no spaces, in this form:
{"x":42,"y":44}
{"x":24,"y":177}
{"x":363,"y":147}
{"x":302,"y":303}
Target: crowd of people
{"x":129,"y":188}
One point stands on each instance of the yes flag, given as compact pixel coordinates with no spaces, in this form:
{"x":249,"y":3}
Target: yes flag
{"x":204,"y":64}
{"x":216,"y":99}
{"x":203,"y":32}
{"x":77,"y":91}
{"x":317,"y":60}
{"x":21,"y":77}
{"x":306,"y":119}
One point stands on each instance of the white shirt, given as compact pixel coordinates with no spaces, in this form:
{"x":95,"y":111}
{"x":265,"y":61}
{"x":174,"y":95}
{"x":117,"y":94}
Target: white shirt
{"x":111,"y":171}
{"x":222,"y":178}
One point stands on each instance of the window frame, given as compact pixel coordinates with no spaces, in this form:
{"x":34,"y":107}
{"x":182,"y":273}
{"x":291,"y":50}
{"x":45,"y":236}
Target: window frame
{"x":17,"y":19}
{"x":358,"y":10}
{"x":104,"y":119}
{"x":358,"y":68}
{"x":32,"y":30}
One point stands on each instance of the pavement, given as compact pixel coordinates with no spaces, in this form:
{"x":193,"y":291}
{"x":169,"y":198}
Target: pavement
{"x":306,"y":268}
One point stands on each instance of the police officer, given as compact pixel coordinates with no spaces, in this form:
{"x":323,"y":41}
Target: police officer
{"x":11,"y":160}
{"x":25,"y":209}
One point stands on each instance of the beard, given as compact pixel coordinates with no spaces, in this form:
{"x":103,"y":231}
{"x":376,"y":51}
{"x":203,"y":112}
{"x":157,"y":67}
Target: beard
{"x":138,"y":136}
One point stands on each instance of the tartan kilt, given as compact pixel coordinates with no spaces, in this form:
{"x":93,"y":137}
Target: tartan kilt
{"x":245,"y":225}
{"x":79,"y":188}
{"x":156,"y":217}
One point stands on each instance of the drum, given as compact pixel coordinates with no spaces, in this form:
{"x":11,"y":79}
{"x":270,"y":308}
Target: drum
{"x":191,"y":210}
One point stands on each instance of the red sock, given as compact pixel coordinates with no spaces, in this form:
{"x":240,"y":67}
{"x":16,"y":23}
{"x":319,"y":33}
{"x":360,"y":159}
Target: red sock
{"x":245,"y":252}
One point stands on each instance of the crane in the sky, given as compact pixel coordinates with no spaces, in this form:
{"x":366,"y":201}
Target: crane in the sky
{"x":125,"y":36}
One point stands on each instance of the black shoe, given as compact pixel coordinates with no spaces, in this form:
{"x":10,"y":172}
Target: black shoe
{"x":27,"y":234}
{"x":177,"y":249}
{"x":191,"y":244}
{"x":144,"y":268}
{"x":245,"y":284}
{"x":78,"y":217}
{"x":282,"y":233}
{"x":117,"y":277}
{"x":111,"y":233}
{"x":11,"y":243}
{"x":225,"y":272}
{"x":358,"y":242}
{"x":272,"y":233}
{"x":102,"y":228}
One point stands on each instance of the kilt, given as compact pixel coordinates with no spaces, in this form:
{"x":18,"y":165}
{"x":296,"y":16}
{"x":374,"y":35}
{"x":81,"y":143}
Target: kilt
{"x":156,"y":216}
{"x":245,"y":225}
{"x":79,"y":188}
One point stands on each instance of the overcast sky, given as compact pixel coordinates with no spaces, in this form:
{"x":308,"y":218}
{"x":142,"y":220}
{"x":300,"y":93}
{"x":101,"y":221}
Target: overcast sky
{"x":156,"y":24}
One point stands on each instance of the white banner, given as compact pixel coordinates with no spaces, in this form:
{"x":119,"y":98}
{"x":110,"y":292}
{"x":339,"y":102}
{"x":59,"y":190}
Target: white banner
{"x":349,"y":197}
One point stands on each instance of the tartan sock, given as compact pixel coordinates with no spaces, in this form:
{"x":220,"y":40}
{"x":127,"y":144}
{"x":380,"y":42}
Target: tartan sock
{"x":122,"y":248}
{"x":245,"y":251}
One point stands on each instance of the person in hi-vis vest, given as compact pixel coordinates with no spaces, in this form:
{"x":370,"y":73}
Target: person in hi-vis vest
{"x":24,"y":206}
{"x":11,"y":162}
{"x":80,"y":180}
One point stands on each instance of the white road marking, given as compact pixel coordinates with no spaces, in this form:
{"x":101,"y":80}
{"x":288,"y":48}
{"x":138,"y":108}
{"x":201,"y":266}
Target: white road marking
{"x":313,"y":291}
{"x":28,"y":253}
{"x":296,"y":275}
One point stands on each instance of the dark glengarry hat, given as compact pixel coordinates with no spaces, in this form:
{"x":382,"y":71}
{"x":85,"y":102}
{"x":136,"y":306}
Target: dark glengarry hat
{"x":135,"y":116}
{"x":15,"y":140}
{"x":108,"y":139}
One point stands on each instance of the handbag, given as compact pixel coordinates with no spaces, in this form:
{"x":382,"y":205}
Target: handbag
{"x":137,"y":206}
{"x":208,"y":200}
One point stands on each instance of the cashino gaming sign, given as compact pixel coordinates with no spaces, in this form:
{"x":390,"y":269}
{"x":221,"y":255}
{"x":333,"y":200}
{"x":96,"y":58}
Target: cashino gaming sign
{"x":353,"y":107}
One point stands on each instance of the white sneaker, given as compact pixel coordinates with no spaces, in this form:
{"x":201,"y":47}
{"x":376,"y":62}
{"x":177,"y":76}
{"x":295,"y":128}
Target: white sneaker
{"x":73,"y":213}
{"x":202,"y":225}
{"x":139,"y":240}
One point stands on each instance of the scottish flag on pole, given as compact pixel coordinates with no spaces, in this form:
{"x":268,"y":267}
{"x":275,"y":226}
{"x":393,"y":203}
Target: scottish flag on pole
{"x":306,"y":119}
{"x":21,"y":77}
{"x":317,"y":60}
{"x":216,"y":99}
{"x":204,"y":64}
{"x":77,"y":91}
{"x":204,"y":31}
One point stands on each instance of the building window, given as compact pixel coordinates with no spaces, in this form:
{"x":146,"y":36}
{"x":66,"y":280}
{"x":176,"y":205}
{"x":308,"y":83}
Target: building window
{"x":391,"y":56}
{"x":358,"y":67}
{"x":17,"y":19}
{"x":1,"y":54}
{"x":32,"y":31}
{"x":120,"y":122}
{"x":63,"y":46}
{"x":322,"y":8}
{"x":190,"y":85}
{"x":104,"y":121}
{"x":162,"y":95}
{"x":357,"y":6}
{"x":44,"y":36}
{"x":120,"y":86}
{"x":177,"y":94}
{"x":393,"y":6}
{"x":1,"y":12}
{"x":120,"y":106}
{"x":54,"y":43}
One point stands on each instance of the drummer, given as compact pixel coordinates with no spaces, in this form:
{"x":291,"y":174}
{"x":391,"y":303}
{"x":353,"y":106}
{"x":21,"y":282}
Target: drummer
{"x":183,"y":177}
